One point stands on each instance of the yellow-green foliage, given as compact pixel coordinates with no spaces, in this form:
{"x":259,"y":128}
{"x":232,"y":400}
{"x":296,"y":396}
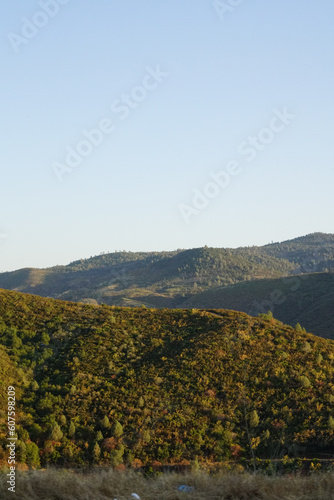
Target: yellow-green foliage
{"x":163,"y":385}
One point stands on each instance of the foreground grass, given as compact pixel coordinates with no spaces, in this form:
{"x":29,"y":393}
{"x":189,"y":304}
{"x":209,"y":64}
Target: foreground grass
{"x":65,"y":485}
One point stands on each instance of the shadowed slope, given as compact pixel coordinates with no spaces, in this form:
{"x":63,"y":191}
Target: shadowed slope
{"x":307,"y":299}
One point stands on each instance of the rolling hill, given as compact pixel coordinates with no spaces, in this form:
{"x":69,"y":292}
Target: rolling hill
{"x":307,"y":299}
{"x":161,"y":280}
{"x":311,"y":253}
{"x":169,"y":279}
{"x":244,"y":279}
{"x":111,"y":385}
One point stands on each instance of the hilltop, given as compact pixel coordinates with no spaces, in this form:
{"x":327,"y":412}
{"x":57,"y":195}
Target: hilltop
{"x":170,"y":279}
{"x":241,"y":279}
{"x":100,"y":384}
{"x":161,"y":280}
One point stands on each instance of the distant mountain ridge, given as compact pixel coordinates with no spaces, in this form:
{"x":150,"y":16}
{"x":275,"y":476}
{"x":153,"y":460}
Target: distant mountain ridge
{"x":176,"y":279}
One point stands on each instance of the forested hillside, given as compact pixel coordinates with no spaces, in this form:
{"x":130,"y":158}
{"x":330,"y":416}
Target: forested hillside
{"x":307,"y":299}
{"x":311,"y":253}
{"x":110,"y":385}
{"x":159,"y":280}
{"x":170,"y":279}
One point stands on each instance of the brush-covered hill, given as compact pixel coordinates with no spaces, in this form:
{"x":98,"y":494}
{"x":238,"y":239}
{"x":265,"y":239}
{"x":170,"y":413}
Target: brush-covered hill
{"x":311,"y":253}
{"x":160,"y":280}
{"x":307,"y":299}
{"x":110,"y":385}
{"x":169,"y":279}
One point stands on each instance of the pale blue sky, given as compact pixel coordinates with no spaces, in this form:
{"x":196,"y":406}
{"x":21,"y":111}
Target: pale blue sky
{"x":225,"y":78}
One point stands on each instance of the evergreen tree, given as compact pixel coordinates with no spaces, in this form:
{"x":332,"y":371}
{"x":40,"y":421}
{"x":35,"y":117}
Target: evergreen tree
{"x":116,"y":456}
{"x":99,"y":436}
{"x":117,"y":430}
{"x":71,"y":429}
{"x":105,"y":422}
{"x":56,"y":433}
{"x":96,"y":452}
{"x":331,"y":423}
{"x":254,"y":419}
{"x":62,"y":420}
{"x":32,"y":454}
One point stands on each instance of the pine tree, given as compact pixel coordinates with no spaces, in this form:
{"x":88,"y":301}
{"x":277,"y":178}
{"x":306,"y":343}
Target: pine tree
{"x":105,"y":422}
{"x":116,"y":456}
{"x":56,"y":433}
{"x":96,"y":452}
{"x":331,"y":423}
{"x":62,"y":420}
{"x":71,"y":429}
{"x":117,"y":430}
{"x":99,"y":436}
{"x":32,"y":453}
{"x":254,"y":419}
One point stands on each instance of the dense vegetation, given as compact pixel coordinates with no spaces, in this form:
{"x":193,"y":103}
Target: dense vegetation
{"x":110,"y":385}
{"x":171,"y":279}
{"x":162,"y":280}
{"x":307,"y":299}
{"x":311,"y":253}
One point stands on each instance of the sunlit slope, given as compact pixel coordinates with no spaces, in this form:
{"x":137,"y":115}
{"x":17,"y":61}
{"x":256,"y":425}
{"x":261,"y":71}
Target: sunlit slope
{"x":162,"y":279}
{"x":169,"y":279}
{"x":166,"y":385}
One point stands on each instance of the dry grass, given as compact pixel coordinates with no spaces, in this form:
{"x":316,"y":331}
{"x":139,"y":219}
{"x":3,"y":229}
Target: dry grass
{"x":110,"y":485}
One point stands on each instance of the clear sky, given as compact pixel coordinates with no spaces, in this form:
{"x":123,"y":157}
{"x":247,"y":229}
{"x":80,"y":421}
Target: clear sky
{"x":216,"y":125}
